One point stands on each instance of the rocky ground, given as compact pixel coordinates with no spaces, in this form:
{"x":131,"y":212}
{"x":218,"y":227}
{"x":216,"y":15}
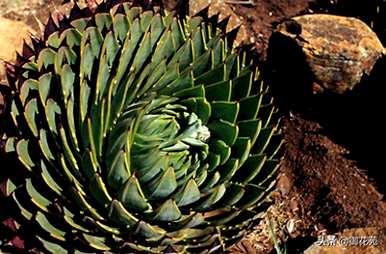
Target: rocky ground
{"x":331,"y":177}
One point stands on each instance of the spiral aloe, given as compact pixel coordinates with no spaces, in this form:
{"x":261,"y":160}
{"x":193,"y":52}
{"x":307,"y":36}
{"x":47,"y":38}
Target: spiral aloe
{"x":139,"y":132}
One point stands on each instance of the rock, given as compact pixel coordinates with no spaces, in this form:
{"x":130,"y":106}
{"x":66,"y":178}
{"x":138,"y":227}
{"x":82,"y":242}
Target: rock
{"x":11,"y":40}
{"x":338,"y":50}
{"x":351,"y":241}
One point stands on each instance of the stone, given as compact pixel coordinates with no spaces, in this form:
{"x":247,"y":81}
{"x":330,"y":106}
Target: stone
{"x":338,"y":50}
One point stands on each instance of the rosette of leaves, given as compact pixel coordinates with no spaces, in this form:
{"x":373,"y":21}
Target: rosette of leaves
{"x":138,"y":132}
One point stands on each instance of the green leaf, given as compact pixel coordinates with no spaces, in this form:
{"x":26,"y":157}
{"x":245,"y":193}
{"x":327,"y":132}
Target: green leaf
{"x":85,"y":92}
{"x":86,"y":62}
{"x":89,"y":167}
{"x":30,"y":113}
{"x":69,"y":217}
{"x":212,"y":76}
{"x":121,"y":26}
{"x":249,"y":107}
{"x":64,"y":56}
{"x":71,"y":123}
{"x":229,"y":169}
{"x":99,"y":191}
{"x":224,"y":218}
{"x":22,"y":148}
{"x":263,"y":139}
{"x":46,"y":225}
{"x":148,"y":232}
{"x":109,"y":52}
{"x":250,"y":129}
{"x":215,"y":195}
{"x":23,"y":211}
{"x":46,"y":57}
{"x":163,"y":185}
{"x":188,"y":194}
{"x":72,"y":37}
{"x":241,"y":86}
{"x":103,"y":21}
{"x":224,"y":131}
{"x":220,"y":91}
{"x":200,"y":106}
{"x":80,"y":24}
{"x":44,"y":86}
{"x":38,"y":199}
{"x":49,"y":180}
{"x":227,"y":111}
{"x":84,"y":204}
{"x":219,"y":147}
{"x":52,"y":109}
{"x":95,"y":37}
{"x":251,"y":168}
{"x":132,"y":196}
{"x":67,"y":80}
{"x":43,"y":143}
{"x":233,"y":194}
{"x":264,"y":178}
{"x":52,"y":247}
{"x":96,"y":242}
{"x":197,"y":91}
{"x":118,"y":173}
{"x":156,"y":28}
{"x":167,"y":212}
{"x":252,"y":195}
{"x":241,"y":149}
{"x":201,"y":64}
{"x":67,"y":151}
{"x":119,"y":214}
{"x":146,"y":18}
{"x":53,"y":40}
{"x":211,"y":181}
{"x":198,"y":43}
{"x":28,"y":87}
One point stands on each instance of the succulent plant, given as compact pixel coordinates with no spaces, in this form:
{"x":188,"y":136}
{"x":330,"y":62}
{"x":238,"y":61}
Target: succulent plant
{"x":137,"y":131}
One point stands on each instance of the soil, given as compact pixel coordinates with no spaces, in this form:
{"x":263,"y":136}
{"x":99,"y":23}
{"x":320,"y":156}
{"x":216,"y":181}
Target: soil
{"x":262,"y":18}
{"x":331,"y":176}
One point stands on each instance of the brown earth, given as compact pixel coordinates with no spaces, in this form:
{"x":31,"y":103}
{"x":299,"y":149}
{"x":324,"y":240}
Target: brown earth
{"x":261,"y":19}
{"x":331,"y":142}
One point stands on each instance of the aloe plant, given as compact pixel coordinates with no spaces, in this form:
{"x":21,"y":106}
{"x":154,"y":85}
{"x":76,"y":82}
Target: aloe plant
{"x":138,"y":132}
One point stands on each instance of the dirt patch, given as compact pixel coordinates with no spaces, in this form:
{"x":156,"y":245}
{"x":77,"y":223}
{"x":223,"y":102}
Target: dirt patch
{"x":330,"y":188}
{"x":262,"y":18}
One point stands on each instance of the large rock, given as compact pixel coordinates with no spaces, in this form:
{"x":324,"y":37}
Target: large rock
{"x":338,"y":50}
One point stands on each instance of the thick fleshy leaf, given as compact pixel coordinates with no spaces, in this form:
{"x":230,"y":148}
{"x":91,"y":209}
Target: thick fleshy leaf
{"x":163,"y":185}
{"x":168,"y":211}
{"x":132,"y":197}
{"x":189,"y":194}
{"x":119,"y":214}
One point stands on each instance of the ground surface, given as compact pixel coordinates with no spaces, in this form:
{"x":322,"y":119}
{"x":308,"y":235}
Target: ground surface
{"x":331,"y":176}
